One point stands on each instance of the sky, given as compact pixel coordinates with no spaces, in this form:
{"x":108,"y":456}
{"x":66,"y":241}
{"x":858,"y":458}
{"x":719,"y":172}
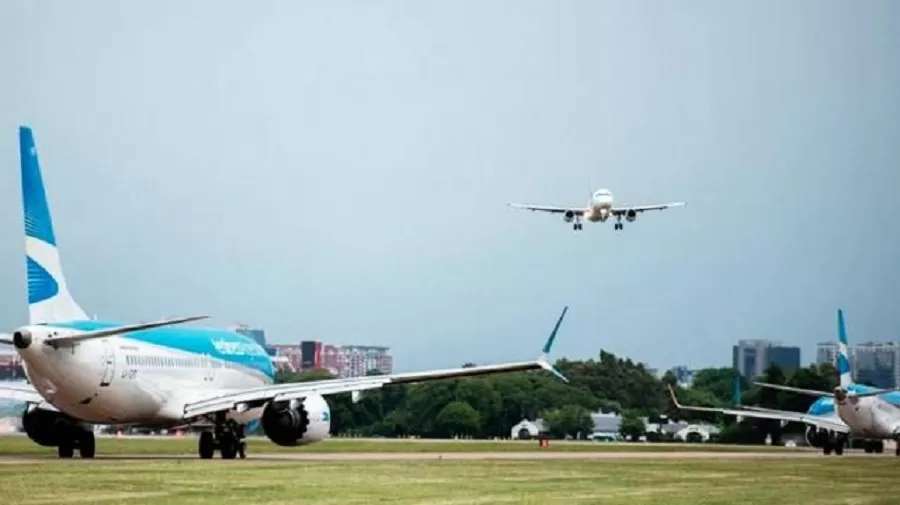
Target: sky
{"x":339,"y":171}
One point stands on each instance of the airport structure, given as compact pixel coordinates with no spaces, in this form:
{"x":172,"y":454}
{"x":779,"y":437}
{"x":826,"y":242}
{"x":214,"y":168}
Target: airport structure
{"x":873,"y":363}
{"x":751,"y":357}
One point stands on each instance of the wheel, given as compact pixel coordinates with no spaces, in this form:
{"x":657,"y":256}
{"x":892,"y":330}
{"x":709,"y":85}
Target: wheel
{"x":879,"y":447}
{"x":838,"y":449}
{"x":66,"y":449}
{"x":207,"y":445}
{"x":826,"y":447}
{"x":242,"y":449}
{"x":87,"y":445}
{"x":897,"y":450}
{"x":228,"y":446}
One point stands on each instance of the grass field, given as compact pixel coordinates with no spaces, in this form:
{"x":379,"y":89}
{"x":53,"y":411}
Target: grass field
{"x":817,"y":481}
{"x":20,"y":446}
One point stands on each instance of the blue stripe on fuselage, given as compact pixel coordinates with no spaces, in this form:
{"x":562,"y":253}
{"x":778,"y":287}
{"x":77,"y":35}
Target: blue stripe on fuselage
{"x":220,"y":344}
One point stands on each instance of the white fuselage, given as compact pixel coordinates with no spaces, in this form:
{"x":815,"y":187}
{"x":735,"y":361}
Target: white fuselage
{"x":117,"y":380}
{"x":870,"y":417}
{"x":600,"y":206}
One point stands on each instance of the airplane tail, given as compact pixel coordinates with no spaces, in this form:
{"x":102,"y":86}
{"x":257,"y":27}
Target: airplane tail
{"x":843,"y":355}
{"x":49,"y":299}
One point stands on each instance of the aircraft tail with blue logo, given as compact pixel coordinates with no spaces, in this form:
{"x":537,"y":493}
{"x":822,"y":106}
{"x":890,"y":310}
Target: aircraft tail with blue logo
{"x":49,"y":299}
{"x":843,"y":354}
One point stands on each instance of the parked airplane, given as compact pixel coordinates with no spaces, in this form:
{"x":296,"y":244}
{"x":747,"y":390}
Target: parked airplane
{"x":862,"y":411}
{"x":83,"y":371}
{"x":599,"y":208}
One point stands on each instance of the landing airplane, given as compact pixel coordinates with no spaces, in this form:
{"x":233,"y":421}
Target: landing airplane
{"x":82,"y":371}
{"x":599,"y":209}
{"x":862,"y":412}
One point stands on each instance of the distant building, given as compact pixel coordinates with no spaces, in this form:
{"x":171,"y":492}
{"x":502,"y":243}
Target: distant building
{"x":359,"y":359}
{"x":874,"y":363}
{"x":257,"y":334}
{"x":684,"y":375}
{"x":288,"y":355}
{"x":752,"y":357}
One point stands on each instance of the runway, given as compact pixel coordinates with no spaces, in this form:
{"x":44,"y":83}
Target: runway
{"x":452,"y":456}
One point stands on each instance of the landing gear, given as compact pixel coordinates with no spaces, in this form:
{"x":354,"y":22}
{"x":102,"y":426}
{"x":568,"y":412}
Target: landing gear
{"x":618,"y":224}
{"x":834,"y":442}
{"x":577,"y":226}
{"x":227,"y":437}
{"x":78,"y":438}
{"x":873,"y":446}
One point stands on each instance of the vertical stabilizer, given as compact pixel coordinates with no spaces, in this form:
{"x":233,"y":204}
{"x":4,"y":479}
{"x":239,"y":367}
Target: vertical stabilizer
{"x":48,"y":296}
{"x":843,"y":354}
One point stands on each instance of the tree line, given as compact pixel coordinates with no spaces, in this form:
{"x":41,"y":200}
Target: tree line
{"x":489,"y":406}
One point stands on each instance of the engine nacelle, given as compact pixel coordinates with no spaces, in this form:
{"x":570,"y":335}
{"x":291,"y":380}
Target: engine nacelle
{"x":815,"y":437}
{"x":630,"y":216}
{"x":296,"y":422}
{"x":46,"y":427}
{"x":569,"y":216}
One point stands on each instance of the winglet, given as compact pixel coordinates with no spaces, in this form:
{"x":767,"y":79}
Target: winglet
{"x":552,"y":337}
{"x":543,"y":359}
{"x":672,"y":395}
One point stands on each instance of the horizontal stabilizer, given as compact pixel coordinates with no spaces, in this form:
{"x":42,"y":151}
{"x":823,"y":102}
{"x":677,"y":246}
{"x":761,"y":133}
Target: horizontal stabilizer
{"x":6,"y":339}
{"x":106,"y":332}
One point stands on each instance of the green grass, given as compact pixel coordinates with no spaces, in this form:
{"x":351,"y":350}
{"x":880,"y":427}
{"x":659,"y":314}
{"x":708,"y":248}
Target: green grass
{"x":816,"y":481}
{"x":20,"y":445}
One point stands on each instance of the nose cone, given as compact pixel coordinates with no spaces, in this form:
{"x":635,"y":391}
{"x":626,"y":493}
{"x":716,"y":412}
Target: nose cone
{"x":22,"y":339}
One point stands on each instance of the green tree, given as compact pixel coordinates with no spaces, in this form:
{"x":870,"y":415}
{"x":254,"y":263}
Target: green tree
{"x":632,"y":427}
{"x":569,"y":420}
{"x":457,"y":419}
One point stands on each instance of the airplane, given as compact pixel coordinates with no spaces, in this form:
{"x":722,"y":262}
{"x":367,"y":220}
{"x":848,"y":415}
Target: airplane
{"x":82,"y":371}
{"x":599,"y":209}
{"x":862,"y":411}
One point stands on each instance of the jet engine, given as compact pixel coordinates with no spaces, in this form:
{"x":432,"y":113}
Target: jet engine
{"x":296,"y":422}
{"x":46,"y":427}
{"x":815,"y":437}
{"x":569,"y":216}
{"x":631,"y":215}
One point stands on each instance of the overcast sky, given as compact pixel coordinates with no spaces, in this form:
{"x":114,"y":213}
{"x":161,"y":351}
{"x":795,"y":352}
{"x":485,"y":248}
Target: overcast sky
{"x":340,"y":170}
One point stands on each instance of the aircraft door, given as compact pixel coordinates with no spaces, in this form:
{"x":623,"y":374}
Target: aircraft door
{"x":109,"y":363}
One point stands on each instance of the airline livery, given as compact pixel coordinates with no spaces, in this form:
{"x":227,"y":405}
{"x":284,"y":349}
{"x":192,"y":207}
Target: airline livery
{"x":599,"y":209}
{"x":83,"y":371}
{"x":863,"y":412}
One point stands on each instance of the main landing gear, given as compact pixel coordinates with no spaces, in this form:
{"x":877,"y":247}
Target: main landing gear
{"x":834,"y":442}
{"x":577,"y":226}
{"x":873,"y":446}
{"x":79,"y":438}
{"x":227,"y":437}
{"x":618,"y":224}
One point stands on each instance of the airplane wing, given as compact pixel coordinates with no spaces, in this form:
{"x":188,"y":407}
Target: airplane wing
{"x":19,"y":392}
{"x":255,"y":397}
{"x":621,"y":211}
{"x":548,"y":208}
{"x":6,"y":339}
{"x":830,"y":422}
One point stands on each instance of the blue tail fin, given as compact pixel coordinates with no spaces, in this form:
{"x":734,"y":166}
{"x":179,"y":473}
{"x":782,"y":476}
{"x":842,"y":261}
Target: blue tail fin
{"x":48,"y":296}
{"x":843,"y":355}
